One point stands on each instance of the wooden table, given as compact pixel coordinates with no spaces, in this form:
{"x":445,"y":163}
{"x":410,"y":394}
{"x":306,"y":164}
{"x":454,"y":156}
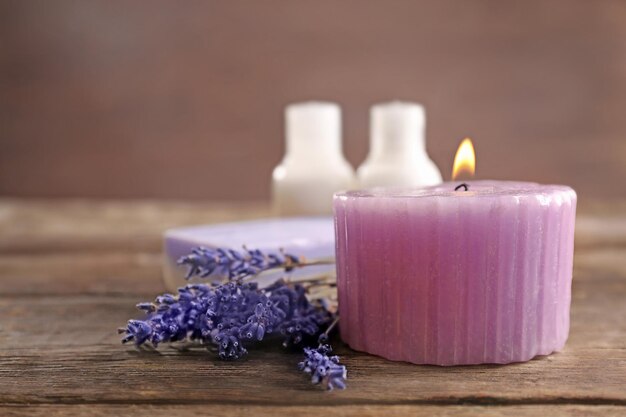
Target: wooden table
{"x":71,"y":272}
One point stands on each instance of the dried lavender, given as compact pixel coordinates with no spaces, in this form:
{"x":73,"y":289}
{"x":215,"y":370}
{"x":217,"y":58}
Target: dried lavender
{"x":233,"y":264}
{"x":230,"y":316}
{"x":324,"y":369}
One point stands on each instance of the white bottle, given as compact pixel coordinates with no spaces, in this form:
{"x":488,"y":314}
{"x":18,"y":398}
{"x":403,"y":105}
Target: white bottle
{"x":314,"y":166}
{"x":397,"y":154}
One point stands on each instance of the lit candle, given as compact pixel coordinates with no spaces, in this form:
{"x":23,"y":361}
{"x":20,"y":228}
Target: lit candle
{"x":450,"y":274}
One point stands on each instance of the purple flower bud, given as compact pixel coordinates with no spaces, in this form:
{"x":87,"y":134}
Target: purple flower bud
{"x":324,"y":369}
{"x":260,"y":332}
{"x":259,"y":310}
{"x":229,"y":263}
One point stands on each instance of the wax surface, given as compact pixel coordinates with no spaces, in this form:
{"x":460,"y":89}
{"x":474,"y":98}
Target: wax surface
{"x":311,"y":237}
{"x":444,"y":277}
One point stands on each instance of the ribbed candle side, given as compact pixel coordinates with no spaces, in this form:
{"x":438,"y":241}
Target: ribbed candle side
{"x":493,"y":308}
{"x":566,"y":258}
{"x":342,"y":268}
{"x":475,"y":231}
{"x":450,"y":281}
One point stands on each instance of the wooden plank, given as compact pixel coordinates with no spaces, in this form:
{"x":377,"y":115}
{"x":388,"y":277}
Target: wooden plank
{"x":103,"y":374}
{"x":601,"y":230}
{"x":64,"y":349}
{"x":70,"y":273}
{"x":83,"y":247}
{"x":147,"y":410}
{"x":72,"y":226}
{"x":610,"y":260}
{"x":81,"y":273}
{"x":49,"y":226}
{"x":140,"y":272}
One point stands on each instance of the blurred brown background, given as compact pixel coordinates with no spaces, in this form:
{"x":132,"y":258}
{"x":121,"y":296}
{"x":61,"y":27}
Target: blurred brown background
{"x":185,"y":99}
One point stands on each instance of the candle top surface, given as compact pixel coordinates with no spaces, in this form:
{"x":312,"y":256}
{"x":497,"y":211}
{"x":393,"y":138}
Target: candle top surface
{"x":481,"y":188}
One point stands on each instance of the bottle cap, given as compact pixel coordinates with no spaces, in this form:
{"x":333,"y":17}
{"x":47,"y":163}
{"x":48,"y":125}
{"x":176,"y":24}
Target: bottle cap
{"x":314,"y":123}
{"x":397,"y":126}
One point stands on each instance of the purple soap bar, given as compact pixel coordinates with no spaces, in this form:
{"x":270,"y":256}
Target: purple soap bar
{"x":311,"y":237}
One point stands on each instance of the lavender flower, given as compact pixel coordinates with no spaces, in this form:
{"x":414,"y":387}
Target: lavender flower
{"x":324,"y":369}
{"x":234,"y":314}
{"x":232,"y":264}
{"x":299,"y":317}
{"x":227,"y":315}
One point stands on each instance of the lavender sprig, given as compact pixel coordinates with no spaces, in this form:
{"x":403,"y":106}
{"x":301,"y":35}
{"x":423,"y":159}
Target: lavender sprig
{"x":228,"y":316}
{"x":232,"y":315}
{"x":324,"y":369}
{"x":233,"y":264}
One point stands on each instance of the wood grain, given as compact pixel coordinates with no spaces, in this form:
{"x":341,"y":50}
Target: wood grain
{"x":336,"y":410}
{"x":48,"y":226}
{"x":74,"y":337}
{"x":115,"y":246}
{"x":54,"y":226}
{"x":60,"y":304}
{"x":81,"y":273}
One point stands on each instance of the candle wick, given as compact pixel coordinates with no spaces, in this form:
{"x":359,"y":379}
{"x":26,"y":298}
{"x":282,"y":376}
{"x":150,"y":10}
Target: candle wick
{"x":463,"y":185}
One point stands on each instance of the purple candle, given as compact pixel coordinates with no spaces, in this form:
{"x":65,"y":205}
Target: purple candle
{"x":445,"y":277}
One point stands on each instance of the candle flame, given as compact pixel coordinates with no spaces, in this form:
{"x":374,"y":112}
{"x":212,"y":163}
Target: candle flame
{"x":464,"y":160}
